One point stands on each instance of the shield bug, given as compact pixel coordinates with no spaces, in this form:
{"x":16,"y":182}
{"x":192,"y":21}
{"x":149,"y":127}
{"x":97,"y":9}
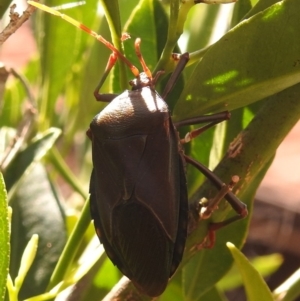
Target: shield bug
{"x":138,"y":185}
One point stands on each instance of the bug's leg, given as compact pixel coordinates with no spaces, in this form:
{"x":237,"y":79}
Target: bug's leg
{"x":235,"y":203}
{"x":224,"y":192}
{"x":106,"y":97}
{"x":184,"y":58}
{"x":208,"y":207}
{"x":212,"y":119}
{"x":215,"y":118}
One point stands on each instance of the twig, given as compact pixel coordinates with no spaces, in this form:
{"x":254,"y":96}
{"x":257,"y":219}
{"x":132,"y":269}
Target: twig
{"x":16,"y":22}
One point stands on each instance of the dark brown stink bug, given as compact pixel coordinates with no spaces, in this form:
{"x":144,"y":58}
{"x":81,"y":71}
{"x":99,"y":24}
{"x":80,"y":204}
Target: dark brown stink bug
{"x":138,"y":186}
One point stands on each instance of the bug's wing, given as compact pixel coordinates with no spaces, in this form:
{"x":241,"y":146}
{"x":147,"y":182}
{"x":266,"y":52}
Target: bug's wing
{"x":97,"y":221}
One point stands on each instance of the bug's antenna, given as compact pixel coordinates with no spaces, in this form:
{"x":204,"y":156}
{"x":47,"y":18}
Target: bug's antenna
{"x":137,"y":47}
{"x":81,"y":26}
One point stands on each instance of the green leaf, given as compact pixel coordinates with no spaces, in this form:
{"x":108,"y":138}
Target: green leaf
{"x":33,"y":153}
{"x":236,"y":71}
{"x":4,"y":238}
{"x":256,"y":288}
{"x":265,"y":265}
{"x":27,"y":259}
{"x":36,"y":210}
{"x":112,"y":13}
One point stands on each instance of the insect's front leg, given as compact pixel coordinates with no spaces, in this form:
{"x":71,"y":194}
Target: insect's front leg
{"x":101,"y":96}
{"x":183,"y":60}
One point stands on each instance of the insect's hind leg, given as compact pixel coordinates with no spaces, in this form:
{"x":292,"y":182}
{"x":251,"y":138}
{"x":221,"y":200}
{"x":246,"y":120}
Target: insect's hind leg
{"x":208,"y":207}
{"x":225,"y":191}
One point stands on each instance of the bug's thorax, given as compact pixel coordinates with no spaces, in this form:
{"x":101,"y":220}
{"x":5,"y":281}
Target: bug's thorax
{"x":136,"y":111}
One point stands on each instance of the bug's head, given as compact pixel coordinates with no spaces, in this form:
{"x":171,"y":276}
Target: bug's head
{"x":145,"y":78}
{"x":142,"y":80}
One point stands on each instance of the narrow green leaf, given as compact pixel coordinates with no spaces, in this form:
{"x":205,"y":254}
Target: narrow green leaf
{"x":112,"y":13}
{"x":238,"y":71}
{"x":256,"y":288}
{"x":27,"y":259}
{"x":4,"y":238}
{"x":265,"y":265}
{"x":178,"y":14}
{"x":33,"y":153}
